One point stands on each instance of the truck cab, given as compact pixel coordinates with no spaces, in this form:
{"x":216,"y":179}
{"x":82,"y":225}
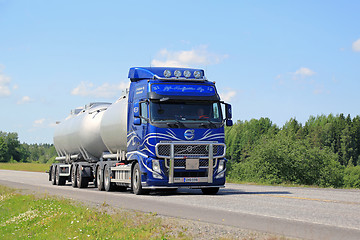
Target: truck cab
{"x":175,"y":130}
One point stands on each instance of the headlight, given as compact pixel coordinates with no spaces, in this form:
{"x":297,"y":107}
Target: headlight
{"x":221,"y":165}
{"x":157,"y":169}
{"x":156,"y":166}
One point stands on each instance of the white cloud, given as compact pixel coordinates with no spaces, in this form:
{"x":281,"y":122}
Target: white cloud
{"x":356,"y":46}
{"x":186,"y":58}
{"x":304,"y":72}
{"x":228,"y":95}
{"x":4,"y":84}
{"x":24,"y":99}
{"x":39,"y":122}
{"x":106,"y":90}
{"x":43,"y":123}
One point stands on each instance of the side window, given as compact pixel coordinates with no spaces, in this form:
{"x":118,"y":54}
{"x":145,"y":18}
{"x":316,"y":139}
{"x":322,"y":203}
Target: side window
{"x":216,"y":111}
{"x":144,"y":112}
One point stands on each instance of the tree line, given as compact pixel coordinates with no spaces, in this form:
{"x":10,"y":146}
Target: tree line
{"x":11,"y":150}
{"x":325,"y":151}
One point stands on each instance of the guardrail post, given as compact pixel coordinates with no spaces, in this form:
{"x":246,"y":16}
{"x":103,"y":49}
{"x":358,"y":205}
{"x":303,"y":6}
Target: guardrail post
{"x":211,"y":163}
{"x":171,"y":167}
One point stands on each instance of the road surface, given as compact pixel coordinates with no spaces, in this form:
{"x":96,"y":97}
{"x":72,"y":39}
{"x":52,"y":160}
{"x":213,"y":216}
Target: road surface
{"x":309,"y":213}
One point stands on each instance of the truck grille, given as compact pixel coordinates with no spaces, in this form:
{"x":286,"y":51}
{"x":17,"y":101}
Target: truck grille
{"x":181,"y":163}
{"x":186,"y":150}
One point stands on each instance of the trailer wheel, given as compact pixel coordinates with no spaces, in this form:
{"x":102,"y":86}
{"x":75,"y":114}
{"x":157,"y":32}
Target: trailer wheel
{"x":99,"y":179}
{"x":210,"y":191}
{"x":107,"y":180}
{"x":59,"y":180}
{"x":53,"y":179}
{"x":82,"y":182}
{"x":73,"y":176}
{"x":136,"y":181}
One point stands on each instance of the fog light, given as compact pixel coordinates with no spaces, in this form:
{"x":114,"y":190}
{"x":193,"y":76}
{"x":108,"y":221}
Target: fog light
{"x":197,"y":74}
{"x":187,"y":73}
{"x":167,"y":73}
{"x":177,"y":73}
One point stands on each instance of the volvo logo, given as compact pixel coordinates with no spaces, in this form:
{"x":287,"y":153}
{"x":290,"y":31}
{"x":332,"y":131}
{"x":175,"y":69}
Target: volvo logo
{"x":189,"y":134}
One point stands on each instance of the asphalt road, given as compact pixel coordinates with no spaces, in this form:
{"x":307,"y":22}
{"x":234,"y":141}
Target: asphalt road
{"x":308,"y":213}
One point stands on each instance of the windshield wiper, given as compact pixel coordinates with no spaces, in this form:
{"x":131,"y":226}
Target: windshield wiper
{"x":212,"y":125}
{"x":178,"y":123}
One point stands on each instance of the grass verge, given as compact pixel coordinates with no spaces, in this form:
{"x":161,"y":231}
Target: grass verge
{"x":30,"y":216}
{"x":32,"y":167}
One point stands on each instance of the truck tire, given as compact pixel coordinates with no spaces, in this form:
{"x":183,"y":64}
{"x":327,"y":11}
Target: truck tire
{"x":53,"y":178}
{"x":82,"y":182}
{"x":210,"y":191}
{"x":99,"y":179}
{"x":136,"y":181}
{"x":59,"y":180}
{"x":73,"y":176}
{"x":107,"y":180}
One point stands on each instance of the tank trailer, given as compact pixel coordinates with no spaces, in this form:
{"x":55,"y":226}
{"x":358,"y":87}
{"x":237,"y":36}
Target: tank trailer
{"x":165,"y":132}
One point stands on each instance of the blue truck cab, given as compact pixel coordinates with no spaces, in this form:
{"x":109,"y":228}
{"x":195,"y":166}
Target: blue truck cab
{"x":175,"y":130}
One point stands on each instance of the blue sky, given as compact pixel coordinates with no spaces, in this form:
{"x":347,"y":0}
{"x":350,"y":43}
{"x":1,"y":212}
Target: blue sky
{"x":276,"y":59}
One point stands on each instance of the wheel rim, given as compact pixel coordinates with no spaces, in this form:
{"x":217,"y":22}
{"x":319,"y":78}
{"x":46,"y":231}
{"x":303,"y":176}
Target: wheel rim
{"x":98,"y":176}
{"x":57,"y":175}
{"x":78,"y":176}
{"x":53,"y":174}
{"x":136,"y":178}
{"x":107,"y":177}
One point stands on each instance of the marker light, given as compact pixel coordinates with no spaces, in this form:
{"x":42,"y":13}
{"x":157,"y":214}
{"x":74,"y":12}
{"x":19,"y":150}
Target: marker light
{"x":167,"y":73}
{"x":187,"y":73}
{"x":177,"y":73}
{"x":197,"y":74}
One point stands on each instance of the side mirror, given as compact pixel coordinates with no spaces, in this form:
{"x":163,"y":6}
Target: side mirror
{"x":229,"y":123}
{"x":228,"y":111}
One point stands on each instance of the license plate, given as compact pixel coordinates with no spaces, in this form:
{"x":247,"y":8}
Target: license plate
{"x":192,"y":179}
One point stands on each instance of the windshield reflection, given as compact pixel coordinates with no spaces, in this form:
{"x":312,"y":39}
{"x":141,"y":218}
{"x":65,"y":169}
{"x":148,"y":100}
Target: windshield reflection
{"x":185,"y":111}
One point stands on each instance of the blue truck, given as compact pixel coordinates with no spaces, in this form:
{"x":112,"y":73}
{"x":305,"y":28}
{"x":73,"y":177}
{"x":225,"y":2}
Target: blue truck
{"x":166,"y":131}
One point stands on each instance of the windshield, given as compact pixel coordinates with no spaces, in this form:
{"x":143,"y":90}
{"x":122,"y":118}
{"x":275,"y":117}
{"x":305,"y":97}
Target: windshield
{"x":185,"y":111}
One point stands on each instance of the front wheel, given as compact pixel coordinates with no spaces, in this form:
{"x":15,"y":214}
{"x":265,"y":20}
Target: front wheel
{"x":136,"y":181}
{"x":210,"y":191}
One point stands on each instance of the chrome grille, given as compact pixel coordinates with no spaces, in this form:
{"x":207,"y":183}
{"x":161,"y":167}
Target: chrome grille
{"x":181,"y":163}
{"x":186,"y":150}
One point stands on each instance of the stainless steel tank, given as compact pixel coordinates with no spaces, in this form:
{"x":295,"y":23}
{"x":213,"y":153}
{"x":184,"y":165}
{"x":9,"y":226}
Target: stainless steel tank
{"x":79,"y":134}
{"x":113,"y":127}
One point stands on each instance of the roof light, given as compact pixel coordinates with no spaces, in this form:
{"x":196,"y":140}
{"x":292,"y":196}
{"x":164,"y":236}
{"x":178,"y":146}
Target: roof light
{"x":197,"y":74}
{"x":167,"y":73}
{"x":187,"y":73}
{"x":177,"y":73}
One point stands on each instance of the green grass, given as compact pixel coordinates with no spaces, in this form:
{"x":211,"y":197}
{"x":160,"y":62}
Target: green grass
{"x":30,"y":216}
{"x":32,"y":167}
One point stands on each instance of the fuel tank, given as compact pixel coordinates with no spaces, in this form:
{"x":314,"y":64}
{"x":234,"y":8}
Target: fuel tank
{"x":79,"y":133}
{"x":113,"y":127}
